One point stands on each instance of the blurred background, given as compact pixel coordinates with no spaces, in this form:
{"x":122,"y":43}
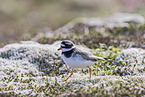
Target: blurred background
{"x":23,"y":19}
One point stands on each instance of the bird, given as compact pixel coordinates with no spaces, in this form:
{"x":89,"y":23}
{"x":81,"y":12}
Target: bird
{"x":77,"y":58}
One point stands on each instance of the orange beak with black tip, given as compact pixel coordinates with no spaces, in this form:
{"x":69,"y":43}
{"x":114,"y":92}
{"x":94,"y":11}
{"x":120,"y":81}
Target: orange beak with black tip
{"x":59,"y":48}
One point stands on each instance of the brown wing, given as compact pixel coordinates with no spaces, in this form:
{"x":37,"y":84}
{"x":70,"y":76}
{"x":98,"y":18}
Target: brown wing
{"x":88,"y":56}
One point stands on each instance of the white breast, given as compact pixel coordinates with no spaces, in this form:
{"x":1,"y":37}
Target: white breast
{"x":77,"y":62}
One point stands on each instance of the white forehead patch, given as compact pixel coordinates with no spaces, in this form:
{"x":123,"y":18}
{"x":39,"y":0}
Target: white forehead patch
{"x":62,"y":45}
{"x":68,"y":43}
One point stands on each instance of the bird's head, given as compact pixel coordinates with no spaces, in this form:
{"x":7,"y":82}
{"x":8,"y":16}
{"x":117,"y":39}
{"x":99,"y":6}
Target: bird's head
{"x":66,"y":45}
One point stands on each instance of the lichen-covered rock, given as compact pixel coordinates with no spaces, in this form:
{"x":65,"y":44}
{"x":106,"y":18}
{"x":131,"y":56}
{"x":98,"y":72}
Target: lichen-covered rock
{"x":131,"y":62}
{"x":123,"y":20}
{"x":86,"y":25}
{"x":33,"y":69}
{"x":123,"y":62}
{"x":45,"y":57}
{"x":120,"y":30}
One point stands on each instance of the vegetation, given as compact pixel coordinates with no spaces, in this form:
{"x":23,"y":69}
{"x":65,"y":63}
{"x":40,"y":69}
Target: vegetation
{"x":35,"y":68}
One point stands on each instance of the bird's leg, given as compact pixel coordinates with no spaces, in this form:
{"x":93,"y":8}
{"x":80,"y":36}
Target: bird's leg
{"x":69,"y":76}
{"x":89,"y":71}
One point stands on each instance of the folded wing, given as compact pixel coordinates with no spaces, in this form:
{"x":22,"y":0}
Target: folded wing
{"x":88,"y":55}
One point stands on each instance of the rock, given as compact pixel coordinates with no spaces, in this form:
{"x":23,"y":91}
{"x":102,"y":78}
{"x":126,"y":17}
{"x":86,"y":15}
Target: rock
{"x":126,"y":18}
{"x":120,"y":30}
{"x":44,"y":57}
{"x":130,"y":62}
{"x":81,"y":25}
{"x":32,"y":69}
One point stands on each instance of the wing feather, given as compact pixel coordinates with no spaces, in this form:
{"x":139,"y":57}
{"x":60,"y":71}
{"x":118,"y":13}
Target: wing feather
{"x":88,"y":55}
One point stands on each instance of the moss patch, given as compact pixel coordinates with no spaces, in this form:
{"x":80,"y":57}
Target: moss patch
{"x":33,"y":69}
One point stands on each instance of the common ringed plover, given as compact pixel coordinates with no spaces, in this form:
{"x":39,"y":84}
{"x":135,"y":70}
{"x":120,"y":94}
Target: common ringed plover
{"x":76,"y":58}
